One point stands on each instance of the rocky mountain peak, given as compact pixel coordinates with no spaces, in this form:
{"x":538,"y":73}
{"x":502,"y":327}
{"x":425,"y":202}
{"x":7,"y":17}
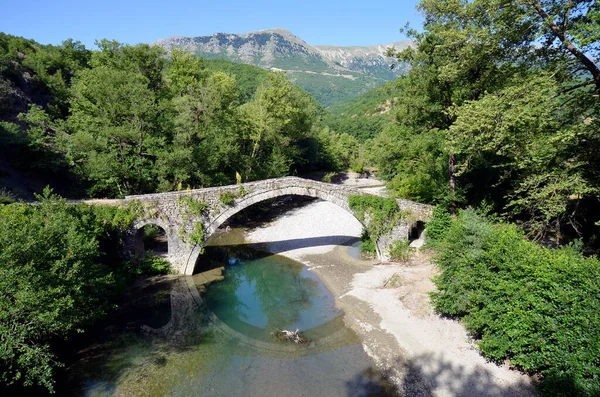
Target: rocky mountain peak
{"x":354,"y":69}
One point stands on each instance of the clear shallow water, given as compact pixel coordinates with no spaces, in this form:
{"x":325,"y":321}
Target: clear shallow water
{"x":216,"y":340}
{"x":270,"y":293}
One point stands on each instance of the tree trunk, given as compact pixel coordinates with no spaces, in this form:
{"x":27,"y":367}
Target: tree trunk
{"x":451,"y":163}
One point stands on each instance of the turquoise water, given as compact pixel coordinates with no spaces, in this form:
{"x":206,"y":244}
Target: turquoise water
{"x":270,"y":293}
{"x":216,"y":340}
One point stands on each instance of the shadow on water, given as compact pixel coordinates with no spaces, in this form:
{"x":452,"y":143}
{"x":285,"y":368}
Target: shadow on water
{"x":221,"y":250}
{"x":425,"y":374}
{"x":122,"y":341}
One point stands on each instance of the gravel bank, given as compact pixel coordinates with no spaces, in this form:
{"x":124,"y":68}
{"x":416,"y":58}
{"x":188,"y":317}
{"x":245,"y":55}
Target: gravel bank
{"x":417,"y":352}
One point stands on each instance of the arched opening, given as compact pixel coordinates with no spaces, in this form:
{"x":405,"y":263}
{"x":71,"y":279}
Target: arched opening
{"x":258,"y":292}
{"x":153,"y":239}
{"x":416,"y":231}
{"x":333,"y":226}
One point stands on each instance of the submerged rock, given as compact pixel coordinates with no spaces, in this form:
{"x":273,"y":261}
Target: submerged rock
{"x":290,"y":336}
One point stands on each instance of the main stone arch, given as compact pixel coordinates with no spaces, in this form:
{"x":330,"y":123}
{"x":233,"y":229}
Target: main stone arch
{"x":248,"y":200}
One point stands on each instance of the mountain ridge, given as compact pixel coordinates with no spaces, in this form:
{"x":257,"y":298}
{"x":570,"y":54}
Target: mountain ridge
{"x":331,"y":73}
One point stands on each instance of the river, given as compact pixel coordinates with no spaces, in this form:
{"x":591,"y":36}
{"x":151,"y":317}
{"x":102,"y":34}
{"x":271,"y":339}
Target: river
{"x":213,"y":334}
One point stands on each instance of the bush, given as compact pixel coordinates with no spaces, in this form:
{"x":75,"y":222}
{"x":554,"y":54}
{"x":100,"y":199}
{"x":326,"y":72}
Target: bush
{"x":57,"y":273}
{"x":367,"y":245}
{"x":400,"y":251}
{"x":328,"y":177}
{"x":227,"y":198}
{"x":151,"y":265}
{"x":536,"y":306}
{"x":6,"y":197}
{"x":439,"y":225}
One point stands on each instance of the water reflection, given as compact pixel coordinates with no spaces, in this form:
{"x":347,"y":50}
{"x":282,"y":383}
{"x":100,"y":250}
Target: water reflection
{"x":217,"y":340}
{"x":268,"y":292}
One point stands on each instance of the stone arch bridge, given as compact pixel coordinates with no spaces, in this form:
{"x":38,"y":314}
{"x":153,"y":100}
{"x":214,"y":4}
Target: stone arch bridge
{"x":190,"y":217}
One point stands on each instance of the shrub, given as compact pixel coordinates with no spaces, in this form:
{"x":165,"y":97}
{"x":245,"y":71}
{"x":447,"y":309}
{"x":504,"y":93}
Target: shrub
{"x":150,"y":233}
{"x":226,"y":198}
{"x":328,"y":177}
{"x":54,"y":280}
{"x":6,"y":197}
{"x":59,"y":266}
{"x":536,"y":306}
{"x":154,"y":265}
{"x":367,"y":245}
{"x":400,"y":251}
{"x":438,"y":226}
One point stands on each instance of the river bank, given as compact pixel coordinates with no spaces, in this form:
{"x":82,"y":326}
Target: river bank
{"x":416,"y":352}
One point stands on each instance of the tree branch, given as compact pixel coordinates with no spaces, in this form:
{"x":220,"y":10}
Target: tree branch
{"x":560,"y":34}
{"x":567,"y":16}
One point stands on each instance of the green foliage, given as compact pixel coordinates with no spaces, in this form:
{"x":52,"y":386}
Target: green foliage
{"x":496,"y":108}
{"x":365,"y":116}
{"x":371,"y":103}
{"x":227,"y":198}
{"x":113,"y":112}
{"x":329,"y":150}
{"x":533,"y":305}
{"x":150,"y":265}
{"x":127,"y":120}
{"x":248,"y":77}
{"x":49,"y":69}
{"x":56,"y":272}
{"x":191,"y":209}
{"x":196,"y":237}
{"x":274,"y":123}
{"x":327,"y":177}
{"x":368,"y":245}
{"x":379,"y":215}
{"x":438,"y":226}
{"x":400,"y":251}
{"x":6,"y":197}
{"x":358,"y":167}
{"x":331,"y":90}
{"x":191,"y":206}
{"x":150,"y":233}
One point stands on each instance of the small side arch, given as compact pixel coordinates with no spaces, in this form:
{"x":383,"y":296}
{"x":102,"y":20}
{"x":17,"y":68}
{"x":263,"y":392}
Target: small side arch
{"x":138,"y":233}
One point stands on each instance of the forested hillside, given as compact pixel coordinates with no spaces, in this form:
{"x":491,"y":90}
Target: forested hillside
{"x":501,"y":107}
{"x":330,"y":73}
{"x":365,"y":116}
{"x":500,"y":112}
{"x":128,"y":119}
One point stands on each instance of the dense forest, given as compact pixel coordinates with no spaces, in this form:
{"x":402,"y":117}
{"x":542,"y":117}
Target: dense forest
{"x":496,"y":123}
{"x":501,"y":106}
{"x":125,"y":120}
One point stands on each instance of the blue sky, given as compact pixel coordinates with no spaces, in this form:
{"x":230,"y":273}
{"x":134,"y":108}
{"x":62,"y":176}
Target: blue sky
{"x":317,"y":22}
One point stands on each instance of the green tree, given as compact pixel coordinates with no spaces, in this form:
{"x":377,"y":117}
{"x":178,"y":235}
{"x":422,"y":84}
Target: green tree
{"x":113,"y":119}
{"x":274,"y":122}
{"x":516,"y":147}
{"x":51,"y":284}
{"x":204,"y":149}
